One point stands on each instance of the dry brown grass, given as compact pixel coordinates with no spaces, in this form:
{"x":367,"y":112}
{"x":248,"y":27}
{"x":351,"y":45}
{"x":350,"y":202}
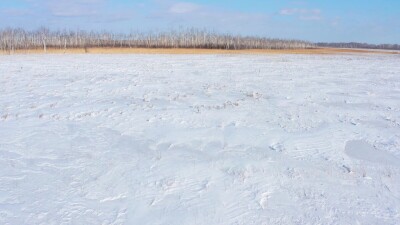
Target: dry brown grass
{"x":195,"y":51}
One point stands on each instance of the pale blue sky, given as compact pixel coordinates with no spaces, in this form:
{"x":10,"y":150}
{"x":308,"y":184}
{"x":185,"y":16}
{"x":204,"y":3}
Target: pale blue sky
{"x":373,"y":21}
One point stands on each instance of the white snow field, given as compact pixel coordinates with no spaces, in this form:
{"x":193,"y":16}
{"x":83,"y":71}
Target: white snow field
{"x":200,"y":139}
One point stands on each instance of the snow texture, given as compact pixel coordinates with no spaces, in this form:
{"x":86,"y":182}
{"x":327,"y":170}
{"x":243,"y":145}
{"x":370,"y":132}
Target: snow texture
{"x":200,"y":139}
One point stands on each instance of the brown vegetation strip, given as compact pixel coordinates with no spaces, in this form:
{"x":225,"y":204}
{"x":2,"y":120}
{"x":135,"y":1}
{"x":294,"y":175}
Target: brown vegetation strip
{"x":195,"y":51}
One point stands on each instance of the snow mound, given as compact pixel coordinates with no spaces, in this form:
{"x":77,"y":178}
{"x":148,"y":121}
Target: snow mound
{"x":361,"y":150}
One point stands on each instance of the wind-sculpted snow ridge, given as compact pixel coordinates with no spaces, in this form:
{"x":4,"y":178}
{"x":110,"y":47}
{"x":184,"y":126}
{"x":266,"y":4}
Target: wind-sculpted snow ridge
{"x":199,"y":139}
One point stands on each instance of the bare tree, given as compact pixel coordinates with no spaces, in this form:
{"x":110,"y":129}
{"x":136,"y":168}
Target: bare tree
{"x":360,"y":45}
{"x":16,"y":39}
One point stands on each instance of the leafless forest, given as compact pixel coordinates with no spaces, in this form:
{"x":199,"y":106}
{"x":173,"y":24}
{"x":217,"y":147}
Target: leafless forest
{"x":360,"y":45}
{"x":16,"y":39}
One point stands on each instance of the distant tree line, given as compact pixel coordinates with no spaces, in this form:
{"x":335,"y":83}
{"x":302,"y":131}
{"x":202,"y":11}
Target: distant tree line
{"x":16,"y":39}
{"x":360,"y":45}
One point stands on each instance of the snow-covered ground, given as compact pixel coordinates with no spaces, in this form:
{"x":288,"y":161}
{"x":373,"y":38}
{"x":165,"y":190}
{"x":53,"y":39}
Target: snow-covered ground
{"x":200,"y":139}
